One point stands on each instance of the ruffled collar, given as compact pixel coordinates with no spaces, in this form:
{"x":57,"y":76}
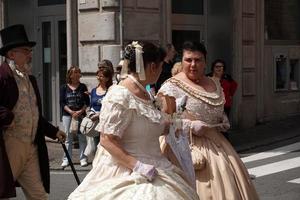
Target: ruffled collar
{"x":215,"y":98}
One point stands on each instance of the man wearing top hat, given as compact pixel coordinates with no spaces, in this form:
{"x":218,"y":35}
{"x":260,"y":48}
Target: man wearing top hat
{"x":23,"y":151}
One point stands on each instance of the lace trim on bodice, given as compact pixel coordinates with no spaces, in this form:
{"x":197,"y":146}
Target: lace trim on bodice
{"x":213,"y":98}
{"x":122,"y":96}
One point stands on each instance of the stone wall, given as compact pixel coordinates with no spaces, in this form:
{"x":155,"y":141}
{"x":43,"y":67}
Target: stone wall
{"x":246,"y":61}
{"x":99,"y":30}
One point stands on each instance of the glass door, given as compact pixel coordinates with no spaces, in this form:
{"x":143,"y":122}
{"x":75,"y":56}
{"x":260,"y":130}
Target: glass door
{"x":188,"y":22}
{"x":53,"y":61}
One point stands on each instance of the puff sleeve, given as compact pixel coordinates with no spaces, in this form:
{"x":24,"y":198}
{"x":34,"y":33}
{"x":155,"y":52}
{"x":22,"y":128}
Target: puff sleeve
{"x":114,"y":119}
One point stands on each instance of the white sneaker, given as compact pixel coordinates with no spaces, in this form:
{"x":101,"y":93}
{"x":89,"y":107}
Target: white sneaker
{"x":65,"y":163}
{"x":83,"y":163}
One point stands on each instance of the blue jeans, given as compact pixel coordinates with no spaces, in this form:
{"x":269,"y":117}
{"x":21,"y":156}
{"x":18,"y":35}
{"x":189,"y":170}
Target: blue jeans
{"x":69,"y":140}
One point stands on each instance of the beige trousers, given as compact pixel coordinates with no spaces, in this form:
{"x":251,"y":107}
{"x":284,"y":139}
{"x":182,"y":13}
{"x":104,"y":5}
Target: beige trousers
{"x":24,"y":163}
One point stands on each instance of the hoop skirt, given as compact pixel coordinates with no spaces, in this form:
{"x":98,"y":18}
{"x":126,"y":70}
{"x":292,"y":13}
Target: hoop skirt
{"x":138,"y":125}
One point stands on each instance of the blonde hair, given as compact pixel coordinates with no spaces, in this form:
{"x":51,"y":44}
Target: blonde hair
{"x":177,"y":67}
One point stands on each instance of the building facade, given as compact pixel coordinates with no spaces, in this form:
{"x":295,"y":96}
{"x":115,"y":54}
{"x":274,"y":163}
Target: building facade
{"x":259,"y":40}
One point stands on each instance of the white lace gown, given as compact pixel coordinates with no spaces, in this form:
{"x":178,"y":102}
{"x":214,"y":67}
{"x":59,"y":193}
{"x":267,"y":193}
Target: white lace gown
{"x":139,"y":126}
{"x":224,"y":176}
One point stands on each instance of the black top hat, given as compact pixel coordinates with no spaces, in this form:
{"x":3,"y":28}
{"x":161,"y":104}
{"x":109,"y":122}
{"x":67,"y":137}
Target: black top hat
{"x":12,"y":37}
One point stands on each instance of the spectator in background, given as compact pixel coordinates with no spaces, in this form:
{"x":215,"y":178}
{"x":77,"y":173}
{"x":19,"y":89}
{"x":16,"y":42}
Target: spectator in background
{"x":229,"y":85}
{"x":74,"y":100}
{"x":118,"y":71}
{"x":176,"y":68}
{"x":104,"y":75}
{"x":108,"y":65}
{"x":167,"y":66}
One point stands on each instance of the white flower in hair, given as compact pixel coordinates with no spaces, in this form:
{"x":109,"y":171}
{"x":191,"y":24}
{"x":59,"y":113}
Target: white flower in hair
{"x":139,"y":60}
{"x":136,"y":45}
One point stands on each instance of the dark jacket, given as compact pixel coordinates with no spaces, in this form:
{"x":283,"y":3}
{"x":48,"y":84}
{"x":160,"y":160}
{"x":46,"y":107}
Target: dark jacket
{"x":165,"y":74}
{"x":9,"y":95}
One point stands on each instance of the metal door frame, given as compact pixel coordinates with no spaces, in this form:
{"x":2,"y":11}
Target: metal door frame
{"x":54,"y":63}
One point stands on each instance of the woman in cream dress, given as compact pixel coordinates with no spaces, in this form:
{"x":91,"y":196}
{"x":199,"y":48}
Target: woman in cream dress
{"x":222,"y":175}
{"x":128,"y":163}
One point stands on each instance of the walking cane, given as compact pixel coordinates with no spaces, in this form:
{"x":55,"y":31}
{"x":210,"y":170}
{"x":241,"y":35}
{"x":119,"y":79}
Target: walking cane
{"x":70,"y":162}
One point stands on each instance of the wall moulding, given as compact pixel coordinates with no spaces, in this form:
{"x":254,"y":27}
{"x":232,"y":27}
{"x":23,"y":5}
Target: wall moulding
{"x":88,"y":5}
{"x":249,"y":83}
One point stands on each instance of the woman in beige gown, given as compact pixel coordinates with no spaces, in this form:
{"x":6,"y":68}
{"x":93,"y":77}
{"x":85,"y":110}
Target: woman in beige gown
{"x":223,"y":176}
{"x":128,"y":164}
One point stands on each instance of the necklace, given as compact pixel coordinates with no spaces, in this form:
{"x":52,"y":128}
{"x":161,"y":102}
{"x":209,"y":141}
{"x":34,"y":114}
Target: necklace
{"x":146,"y":94}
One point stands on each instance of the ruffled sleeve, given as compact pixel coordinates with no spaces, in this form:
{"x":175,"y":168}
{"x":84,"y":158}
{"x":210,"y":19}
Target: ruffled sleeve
{"x":114,"y":116}
{"x":114,"y":119}
{"x":169,"y":89}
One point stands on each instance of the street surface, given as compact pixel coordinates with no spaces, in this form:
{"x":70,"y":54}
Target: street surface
{"x":276,"y":168}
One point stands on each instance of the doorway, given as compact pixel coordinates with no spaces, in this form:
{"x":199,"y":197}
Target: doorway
{"x":52,"y":52}
{"x":188,"y":22}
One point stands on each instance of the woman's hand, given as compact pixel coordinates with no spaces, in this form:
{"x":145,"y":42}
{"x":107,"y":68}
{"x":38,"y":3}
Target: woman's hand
{"x":168,"y":103}
{"x":225,"y":125}
{"x":198,"y":127}
{"x":95,"y":117}
{"x":146,"y":170}
{"x":76,"y":114}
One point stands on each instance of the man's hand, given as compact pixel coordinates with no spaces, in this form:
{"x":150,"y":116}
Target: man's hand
{"x":61,"y":136}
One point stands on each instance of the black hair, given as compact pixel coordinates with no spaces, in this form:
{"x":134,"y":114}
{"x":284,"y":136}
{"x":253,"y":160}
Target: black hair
{"x":151,"y":53}
{"x":225,"y":75}
{"x":194,"y":46}
{"x":218,"y":61}
{"x":169,"y":46}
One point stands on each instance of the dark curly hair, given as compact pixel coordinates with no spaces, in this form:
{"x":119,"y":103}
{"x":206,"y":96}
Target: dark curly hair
{"x":218,"y":61}
{"x":151,"y":53}
{"x":194,"y":46}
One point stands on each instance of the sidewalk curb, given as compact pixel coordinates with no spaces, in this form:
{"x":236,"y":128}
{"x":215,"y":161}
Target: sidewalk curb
{"x":266,"y":142}
{"x":68,"y":169}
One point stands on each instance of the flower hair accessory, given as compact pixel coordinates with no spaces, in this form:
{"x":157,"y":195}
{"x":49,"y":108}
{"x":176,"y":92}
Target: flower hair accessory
{"x":130,"y":49}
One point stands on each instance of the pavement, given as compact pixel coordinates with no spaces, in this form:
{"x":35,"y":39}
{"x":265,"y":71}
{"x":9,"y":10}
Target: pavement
{"x":242,"y":140}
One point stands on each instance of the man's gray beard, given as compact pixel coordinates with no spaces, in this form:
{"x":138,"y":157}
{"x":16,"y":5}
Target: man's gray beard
{"x":28,"y":68}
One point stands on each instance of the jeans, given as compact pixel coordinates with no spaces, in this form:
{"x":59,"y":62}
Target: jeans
{"x":69,"y":140}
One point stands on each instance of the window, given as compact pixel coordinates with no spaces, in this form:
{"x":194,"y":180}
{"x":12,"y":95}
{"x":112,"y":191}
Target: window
{"x":282,"y":20}
{"x":50,"y":2}
{"x":294,"y":74}
{"x":281,"y":72}
{"x":287,"y":76}
{"x":192,"y":7}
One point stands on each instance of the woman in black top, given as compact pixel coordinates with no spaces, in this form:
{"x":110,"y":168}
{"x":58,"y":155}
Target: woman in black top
{"x":74,"y":99}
